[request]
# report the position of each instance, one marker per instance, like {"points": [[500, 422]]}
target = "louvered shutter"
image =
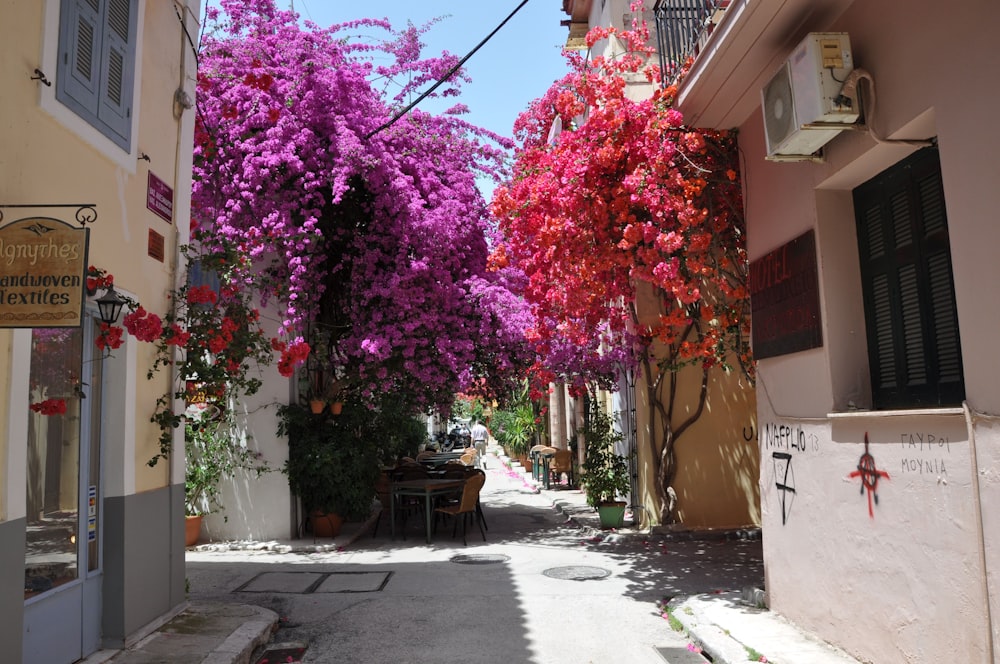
{"points": [[118, 64], [96, 70], [79, 68], [913, 339]]}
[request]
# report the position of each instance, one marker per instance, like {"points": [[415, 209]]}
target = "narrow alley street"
{"points": [[540, 589]]}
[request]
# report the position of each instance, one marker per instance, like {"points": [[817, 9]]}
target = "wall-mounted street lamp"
{"points": [[110, 306]]}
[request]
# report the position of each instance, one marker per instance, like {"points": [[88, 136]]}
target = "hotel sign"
{"points": [[43, 266]]}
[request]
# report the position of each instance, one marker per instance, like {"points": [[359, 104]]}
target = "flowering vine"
{"points": [[211, 336]]}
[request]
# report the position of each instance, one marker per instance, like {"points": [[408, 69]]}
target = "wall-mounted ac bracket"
{"points": [[816, 157], [855, 126]]}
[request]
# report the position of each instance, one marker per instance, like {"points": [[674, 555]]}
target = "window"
{"points": [[909, 295], [96, 68]]}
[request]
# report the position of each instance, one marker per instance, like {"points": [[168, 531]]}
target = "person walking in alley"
{"points": [[480, 434]]}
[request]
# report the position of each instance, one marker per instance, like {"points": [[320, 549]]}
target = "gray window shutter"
{"points": [[79, 65], [118, 64], [96, 73]]}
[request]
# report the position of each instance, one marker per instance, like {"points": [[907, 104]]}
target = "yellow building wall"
{"points": [[50, 156], [718, 467]]}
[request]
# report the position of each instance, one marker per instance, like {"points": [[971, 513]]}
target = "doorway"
{"points": [[62, 566]]}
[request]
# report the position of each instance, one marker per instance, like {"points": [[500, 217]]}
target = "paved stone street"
{"points": [[540, 589]]}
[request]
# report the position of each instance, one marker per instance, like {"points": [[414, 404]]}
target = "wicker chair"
{"points": [[466, 508], [561, 462], [469, 472]]}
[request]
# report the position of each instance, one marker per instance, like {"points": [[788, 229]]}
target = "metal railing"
{"points": [[682, 27]]}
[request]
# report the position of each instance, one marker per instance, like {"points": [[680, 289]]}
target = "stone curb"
{"points": [[708, 636], [241, 644]]}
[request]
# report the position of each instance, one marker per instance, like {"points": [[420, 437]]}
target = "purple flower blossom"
{"points": [[379, 236]]}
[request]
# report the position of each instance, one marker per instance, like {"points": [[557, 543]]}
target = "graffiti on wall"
{"points": [[784, 437], [870, 475], [786, 485], [784, 441], [924, 453]]}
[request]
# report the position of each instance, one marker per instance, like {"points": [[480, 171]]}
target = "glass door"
{"points": [[64, 497]]}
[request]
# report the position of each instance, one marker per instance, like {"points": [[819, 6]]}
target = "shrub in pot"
{"points": [[332, 464], [605, 472]]}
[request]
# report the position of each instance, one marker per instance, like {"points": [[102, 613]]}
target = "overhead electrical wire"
{"points": [[441, 81]]}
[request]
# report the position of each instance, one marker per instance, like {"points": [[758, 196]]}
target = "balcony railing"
{"points": [[682, 29]]}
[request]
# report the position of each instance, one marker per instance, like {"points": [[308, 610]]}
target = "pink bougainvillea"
{"points": [[374, 236]]}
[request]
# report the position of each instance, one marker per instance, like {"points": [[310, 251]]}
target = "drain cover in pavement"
{"points": [[681, 656], [282, 653], [354, 582], [282, 582], [304, 583], [479, 558], [577, 573]]}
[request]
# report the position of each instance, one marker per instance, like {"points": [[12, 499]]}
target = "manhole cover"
{"points": [[577, 573], [480, 558]]}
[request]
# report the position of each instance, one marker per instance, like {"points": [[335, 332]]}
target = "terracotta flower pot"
{"points": [[192, 529], [324, 524], [336, 407], [317, 406]]}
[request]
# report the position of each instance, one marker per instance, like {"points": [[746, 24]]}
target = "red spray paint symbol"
{"points": [[869, 475]]}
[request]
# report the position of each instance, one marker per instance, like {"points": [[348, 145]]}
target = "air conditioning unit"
{"points": [[802, 99]]}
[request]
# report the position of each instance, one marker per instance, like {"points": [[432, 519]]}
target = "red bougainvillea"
{"points": [[626, 200]]}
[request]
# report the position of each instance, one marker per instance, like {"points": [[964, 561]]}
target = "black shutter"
{"points": [[913, 341]]}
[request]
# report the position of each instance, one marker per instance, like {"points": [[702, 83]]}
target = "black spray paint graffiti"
{"points": [[785, 441], [869, 475], [784, 437], [786, 487]]}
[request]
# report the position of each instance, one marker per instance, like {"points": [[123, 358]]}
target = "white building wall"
{"points": [[259, 507], [903, 579]]}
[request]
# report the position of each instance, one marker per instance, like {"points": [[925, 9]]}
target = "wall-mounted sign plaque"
{"points": [[155, 246], [160, 198], [43, 265], [784, 298]]}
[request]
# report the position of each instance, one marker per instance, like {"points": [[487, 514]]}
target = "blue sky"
{"points": [[517, 65]]}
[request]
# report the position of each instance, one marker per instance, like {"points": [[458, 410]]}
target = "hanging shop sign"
{"points": [[43, 266]]}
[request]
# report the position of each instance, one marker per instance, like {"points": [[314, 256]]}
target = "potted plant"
{"points": [[332, 466], [213, 454], [605, 473]]}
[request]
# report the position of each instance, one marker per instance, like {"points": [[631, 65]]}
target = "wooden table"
{"points": [[439, 459], [427, 488]]}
